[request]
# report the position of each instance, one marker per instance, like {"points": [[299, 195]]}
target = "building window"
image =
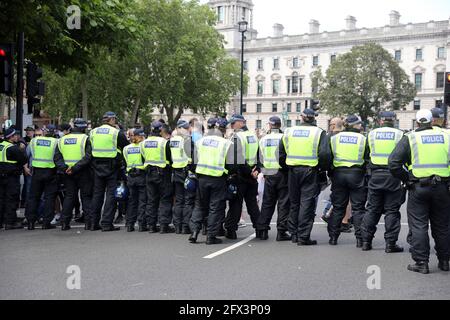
{"points": [[258, 107], [298, 122], [315, 61], [419, 55], [332, 58], [300, 85], [276, 87], [260, 64], [298, 108], [416, 104], [398, 55], [258, 124], [289, 123], [289, 107], [220, 14], [260, 87], [418, 81], [289, 86], [314, 85], [295, 84], [246, 65], [295, 62], [441, 53], [440, 77], [244, 107], [276, 64], [274, 107]]}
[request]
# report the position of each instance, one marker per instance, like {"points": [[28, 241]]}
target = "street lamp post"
{"points": [[243, 27]]}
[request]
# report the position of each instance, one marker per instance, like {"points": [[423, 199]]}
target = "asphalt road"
{"points": [[121, 265]]}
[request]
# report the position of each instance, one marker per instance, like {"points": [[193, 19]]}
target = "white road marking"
{"points": [[234, 246]]}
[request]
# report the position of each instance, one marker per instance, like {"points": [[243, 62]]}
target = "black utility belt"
{"points": [[136, 172], [430, 181]]}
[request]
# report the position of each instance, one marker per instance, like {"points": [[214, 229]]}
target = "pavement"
{"points": [[39, 265]]}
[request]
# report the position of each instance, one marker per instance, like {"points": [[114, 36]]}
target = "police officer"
{"points": [[438, 118], [426, 153], [12, 161], [44, 161], [76, 150], [276, 193], [181, 146], [305, 149], [245, 147], [136, 182], [350, 153], [156, 152], [107, 142], [213, 157], [386, 194]]}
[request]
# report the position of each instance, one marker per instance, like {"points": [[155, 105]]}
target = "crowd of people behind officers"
{"points": [[181, 181]]}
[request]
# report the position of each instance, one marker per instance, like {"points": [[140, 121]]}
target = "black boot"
{"points": [[65, 226], [264, 234], [13, 226], [392, 247], [130, 229], [359, 243], [221, 232], [95, 227], [178, 229], [443, 265], [284, 236], [153, 229], [186, 230], [308, 242], [294, 238], [143, 228], [213, 240], [333, 241], [110, 228], [366, 246], [165, 228], [420, 267], [30, 225], [193, 237], [232, 235], [48, 226], [87, 226]]}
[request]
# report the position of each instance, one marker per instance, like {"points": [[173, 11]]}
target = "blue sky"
{"points": [[295, 14]]}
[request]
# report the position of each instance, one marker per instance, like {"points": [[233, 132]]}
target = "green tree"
{"points": [[186, 63], [364, 81]]}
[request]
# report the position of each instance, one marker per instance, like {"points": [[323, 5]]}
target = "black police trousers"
{"points": [[210, 204], [386, 196], [184, 205], [9, 198], [429, 205], [347, 184], [159, 196], [82, 183], [104, 186], [137, 201], [276, 194], [303, 191], [43, 181], [248, 191]]}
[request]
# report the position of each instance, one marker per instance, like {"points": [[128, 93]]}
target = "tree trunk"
{"points": [[84, 98], [134, 113]]}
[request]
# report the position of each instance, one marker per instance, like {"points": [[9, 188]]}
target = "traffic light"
{"points": [[447, 89], [35, 87], [6, 69], [315, 105]]}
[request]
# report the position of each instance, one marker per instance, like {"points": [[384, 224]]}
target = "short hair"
{"points": [[338, 122]]}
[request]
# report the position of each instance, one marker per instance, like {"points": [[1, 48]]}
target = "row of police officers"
{"points": [[188, 182]]}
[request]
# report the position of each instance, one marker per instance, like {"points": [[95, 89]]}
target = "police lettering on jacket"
{"points": [[301, 133], [385, 136], [133, 150], [102, 131], [433, 139], [43, 143], [348, 139], [210, 143], [272, 142], [70, 141], [151, 144]]}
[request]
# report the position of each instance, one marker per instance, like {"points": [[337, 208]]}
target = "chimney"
{"points": [[350, 23], [278, 30], [314, 26], [394, 18]]}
